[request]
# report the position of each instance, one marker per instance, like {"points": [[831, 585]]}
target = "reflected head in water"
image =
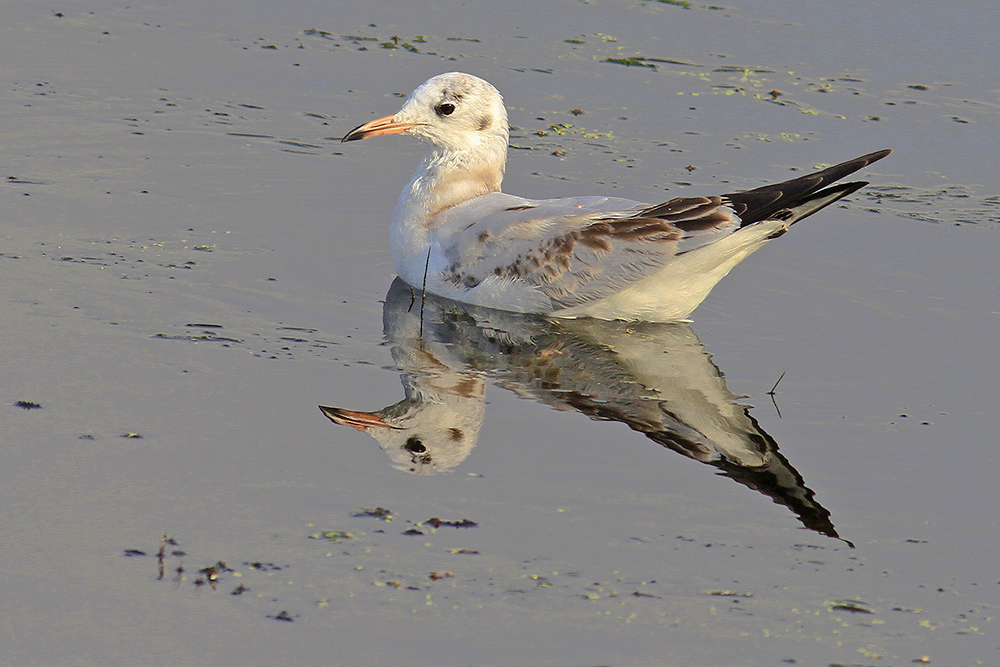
{"points": [[422, 434], [654, 378], [437, 423]]}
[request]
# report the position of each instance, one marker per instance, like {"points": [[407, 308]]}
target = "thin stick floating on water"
{"points": [[771, 394]]}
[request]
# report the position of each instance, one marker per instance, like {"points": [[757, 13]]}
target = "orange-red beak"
{"points": [[374, 128], [361, 421]]}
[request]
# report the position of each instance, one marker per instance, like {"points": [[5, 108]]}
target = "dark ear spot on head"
{"points": [[484, 123], [455, 434]]}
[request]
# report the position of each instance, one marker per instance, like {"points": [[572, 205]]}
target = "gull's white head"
{"points": [[454, 112]]}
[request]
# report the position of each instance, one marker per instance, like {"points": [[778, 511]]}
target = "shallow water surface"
{"points": [[191, 262]]}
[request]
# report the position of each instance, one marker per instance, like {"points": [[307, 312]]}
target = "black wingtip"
{"points": [[761, 203], [866, 160]]}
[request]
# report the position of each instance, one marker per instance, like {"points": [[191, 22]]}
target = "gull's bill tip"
{"points": [[374, 128]]}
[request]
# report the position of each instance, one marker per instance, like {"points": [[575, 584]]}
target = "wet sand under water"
{"points": [[190, 262]]}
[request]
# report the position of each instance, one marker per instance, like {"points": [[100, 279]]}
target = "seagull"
{"points": [[455, 234]]}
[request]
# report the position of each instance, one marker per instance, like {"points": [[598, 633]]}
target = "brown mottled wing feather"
{"points": [[692, 213], [581, 249]]}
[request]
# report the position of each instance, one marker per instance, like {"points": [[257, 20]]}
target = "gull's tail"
{"points": [[800, 197]]}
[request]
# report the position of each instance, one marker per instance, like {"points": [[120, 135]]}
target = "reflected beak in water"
{"points": [[374, 128], [362, 421]]}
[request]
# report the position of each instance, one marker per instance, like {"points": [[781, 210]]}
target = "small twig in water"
{"points": [[771, 394], [160, 554], [180, 574]]}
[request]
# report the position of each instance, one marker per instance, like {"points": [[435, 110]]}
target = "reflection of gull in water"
{"points": [[655, 378], [454, 233]]}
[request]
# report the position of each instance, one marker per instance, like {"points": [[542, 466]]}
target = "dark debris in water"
{"points": [[952, 204], [213, 575], [630, 62], [387, 570], [28, 405], [380, 513], [462, 523], [334, 536], [641, 594], [265, 567], [853, 606]]}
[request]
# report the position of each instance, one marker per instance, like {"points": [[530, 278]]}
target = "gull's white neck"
{"points": [[444, 179]]}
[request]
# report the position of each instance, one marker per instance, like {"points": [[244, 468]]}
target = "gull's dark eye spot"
{"points": [[444, 109], [414, 446]]}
